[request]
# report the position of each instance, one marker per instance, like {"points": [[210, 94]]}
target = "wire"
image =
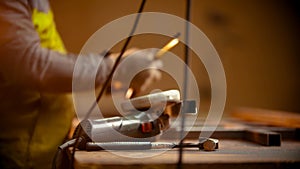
{"points": [[109, 76], [185, 82], [59, 155], [116, 62]]}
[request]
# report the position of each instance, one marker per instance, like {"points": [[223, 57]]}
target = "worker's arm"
{"points": [[23, 62]]}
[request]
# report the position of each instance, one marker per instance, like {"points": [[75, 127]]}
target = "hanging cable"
{"points": [[185, 81], [104, 86], [116, 62], [113, 70]]}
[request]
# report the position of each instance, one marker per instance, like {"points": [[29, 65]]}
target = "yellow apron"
{"points": [[57, 110], [34, 123]]}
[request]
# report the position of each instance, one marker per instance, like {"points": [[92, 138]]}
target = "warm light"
{"points": [[117, 85], [167, 47], [129, 93], [172, 43], [160, 53]]}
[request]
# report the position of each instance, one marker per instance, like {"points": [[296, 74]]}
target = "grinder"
{"points": [[148, 116]]}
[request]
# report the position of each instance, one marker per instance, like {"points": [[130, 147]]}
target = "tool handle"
{"points": [[96, 146]]}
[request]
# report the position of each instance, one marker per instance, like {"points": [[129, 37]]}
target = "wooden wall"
{"points": [[258, 42]]}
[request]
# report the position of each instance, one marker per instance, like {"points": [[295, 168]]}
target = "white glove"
{"points": [[139, 68]]}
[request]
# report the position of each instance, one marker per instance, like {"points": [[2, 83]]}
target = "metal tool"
{"points": [[130, 92], [168, 46], [148, 116], [206, 144]]}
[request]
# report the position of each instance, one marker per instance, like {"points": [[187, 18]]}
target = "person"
{"points": [[35, 83]]}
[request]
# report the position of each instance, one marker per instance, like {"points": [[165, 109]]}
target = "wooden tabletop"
{"points": [[235, 151], [231, 154]]}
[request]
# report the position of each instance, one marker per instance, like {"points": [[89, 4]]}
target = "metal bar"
{"points": [[186, 78], [263, 137], [221, 133], [207, 144]]}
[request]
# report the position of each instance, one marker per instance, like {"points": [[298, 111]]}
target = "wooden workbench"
{"points": [[231, 154], [234, 152]]}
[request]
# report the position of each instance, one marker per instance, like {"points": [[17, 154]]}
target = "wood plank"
{"points": [[232, 154], [268, 117]]}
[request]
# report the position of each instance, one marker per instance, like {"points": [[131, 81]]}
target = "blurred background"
{"points": [[258, 43]]}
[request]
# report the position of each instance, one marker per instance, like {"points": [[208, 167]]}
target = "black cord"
{"points": [[185, 82], [116, 62], [59, 160], [109, 77]]}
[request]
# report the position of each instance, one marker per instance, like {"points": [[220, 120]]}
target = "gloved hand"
{"points": [[139, 68]]}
